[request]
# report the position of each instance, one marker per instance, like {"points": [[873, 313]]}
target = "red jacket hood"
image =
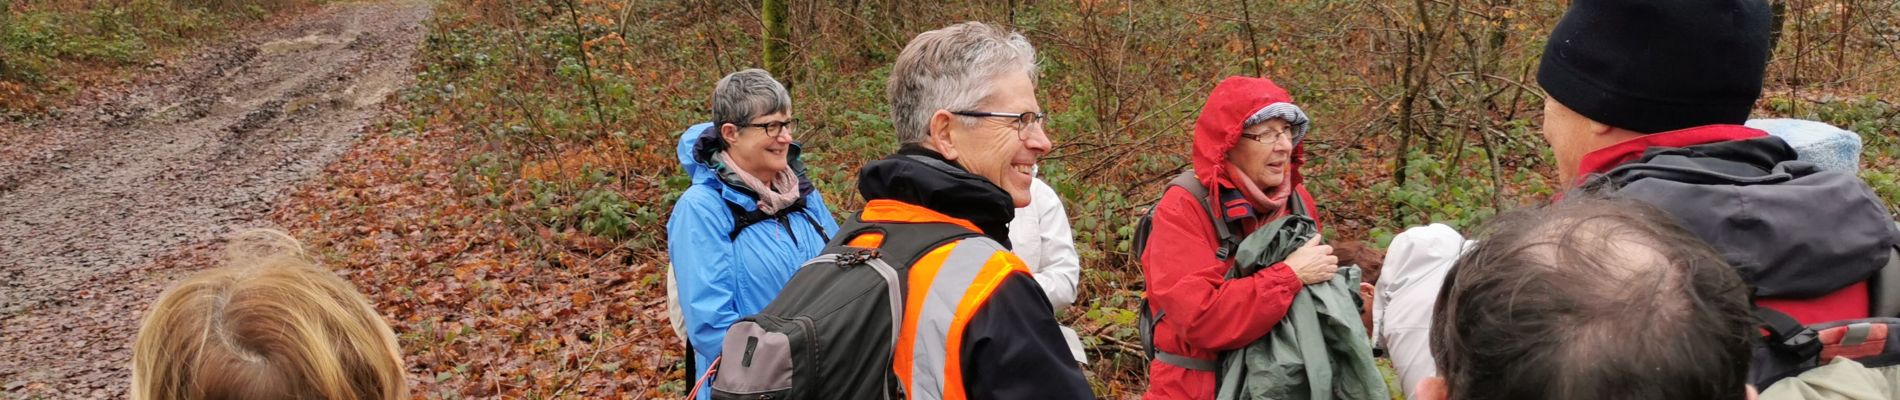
{"points": [[1218, 128]]}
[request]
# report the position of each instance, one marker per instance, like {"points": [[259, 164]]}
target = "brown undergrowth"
{"points": [[509, 216]]}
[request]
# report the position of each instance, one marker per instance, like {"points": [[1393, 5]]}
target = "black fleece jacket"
{"points": [[1012, 347]]}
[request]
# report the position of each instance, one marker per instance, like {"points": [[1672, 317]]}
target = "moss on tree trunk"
{"points": [[777, 35]]}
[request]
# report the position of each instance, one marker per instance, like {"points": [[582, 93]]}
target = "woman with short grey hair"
{"points": [[750, 218]]}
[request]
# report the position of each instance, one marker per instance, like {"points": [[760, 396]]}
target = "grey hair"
{"points": [[744, 95], [951, 69]]}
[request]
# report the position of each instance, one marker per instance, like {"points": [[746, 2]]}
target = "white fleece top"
{"points": [[1415, 268], [1041, 236]]}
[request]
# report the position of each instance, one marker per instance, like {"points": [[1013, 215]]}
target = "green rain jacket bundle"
{"points": [[1319, 351]]}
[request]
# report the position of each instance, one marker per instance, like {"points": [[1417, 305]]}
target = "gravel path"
{"points": [[160, 168]]}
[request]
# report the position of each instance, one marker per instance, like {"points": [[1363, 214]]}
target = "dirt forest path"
{"points": [[186, 152]]}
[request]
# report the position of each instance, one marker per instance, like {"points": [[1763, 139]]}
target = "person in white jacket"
{"points": [[1041, 237], [1415, 267]]}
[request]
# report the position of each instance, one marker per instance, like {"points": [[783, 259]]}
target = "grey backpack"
{"points": [[831, 331]]}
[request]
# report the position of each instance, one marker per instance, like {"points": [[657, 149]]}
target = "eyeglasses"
{"points": [[775, 128], [1018, 121], [1272, 136]]}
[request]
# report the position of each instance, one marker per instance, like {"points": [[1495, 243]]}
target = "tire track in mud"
{"points": [[190, 152]]}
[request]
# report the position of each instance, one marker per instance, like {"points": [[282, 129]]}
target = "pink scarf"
{"points": [[1273, 203], [782, 192]]}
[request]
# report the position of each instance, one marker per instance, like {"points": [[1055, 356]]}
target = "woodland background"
{"points": [[508, 212]]}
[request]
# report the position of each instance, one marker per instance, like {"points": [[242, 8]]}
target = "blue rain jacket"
{"points": [[722, 278]]}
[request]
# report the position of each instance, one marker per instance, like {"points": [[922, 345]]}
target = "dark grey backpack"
{"points": [[831, 331]]}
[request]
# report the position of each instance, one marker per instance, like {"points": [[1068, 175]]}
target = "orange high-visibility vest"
{"points": [[947, 285]]}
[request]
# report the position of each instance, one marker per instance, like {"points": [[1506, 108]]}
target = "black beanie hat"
{"points": [[1658, 65]]}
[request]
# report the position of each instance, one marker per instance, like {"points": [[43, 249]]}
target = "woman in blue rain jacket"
{"points": [[750, 218]]}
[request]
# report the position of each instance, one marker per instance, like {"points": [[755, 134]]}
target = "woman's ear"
{"points": [[939, 140], [729, 132]]}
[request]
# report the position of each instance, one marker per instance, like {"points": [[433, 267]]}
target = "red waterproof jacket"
{"points": [[1202, 313]]}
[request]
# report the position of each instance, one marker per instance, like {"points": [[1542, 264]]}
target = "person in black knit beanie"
{"points": [[1655, 66], [1645, 66], [1646, 100]]}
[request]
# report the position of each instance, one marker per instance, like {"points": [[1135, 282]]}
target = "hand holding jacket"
{"points": [[1313, 262]]}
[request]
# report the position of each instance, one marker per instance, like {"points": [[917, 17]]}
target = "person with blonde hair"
{"points": [[269, 324]]}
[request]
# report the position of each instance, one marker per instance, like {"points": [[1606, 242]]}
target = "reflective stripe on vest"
{"points": [[959, 277]]}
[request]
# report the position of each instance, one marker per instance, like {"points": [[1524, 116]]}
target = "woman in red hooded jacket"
{"points": [[1247, 152]]}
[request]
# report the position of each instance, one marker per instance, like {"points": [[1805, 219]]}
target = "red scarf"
{"points": [[1272, 202]]}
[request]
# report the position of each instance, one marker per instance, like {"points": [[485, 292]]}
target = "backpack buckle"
{"points": [[858, 256], [1787, 335], [1806, 343], [1227, 249]]}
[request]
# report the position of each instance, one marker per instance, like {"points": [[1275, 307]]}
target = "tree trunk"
{"points": [[777, 36], [1253, 41], [1778, 11], [1840, 52]]}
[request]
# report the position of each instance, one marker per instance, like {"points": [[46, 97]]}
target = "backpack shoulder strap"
{"points": [[903, 245], [814, 226], [1223, 231], [1885, 287], [1187, 180], [743, 218], [1296, 204], [1148, 316], [1788, 336]]}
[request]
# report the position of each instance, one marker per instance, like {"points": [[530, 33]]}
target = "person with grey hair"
{"points": [[976, 323], [750, 218]]}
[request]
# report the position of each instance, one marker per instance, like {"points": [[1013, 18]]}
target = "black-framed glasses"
{"points": [[775, 128], [1018, 121]]}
